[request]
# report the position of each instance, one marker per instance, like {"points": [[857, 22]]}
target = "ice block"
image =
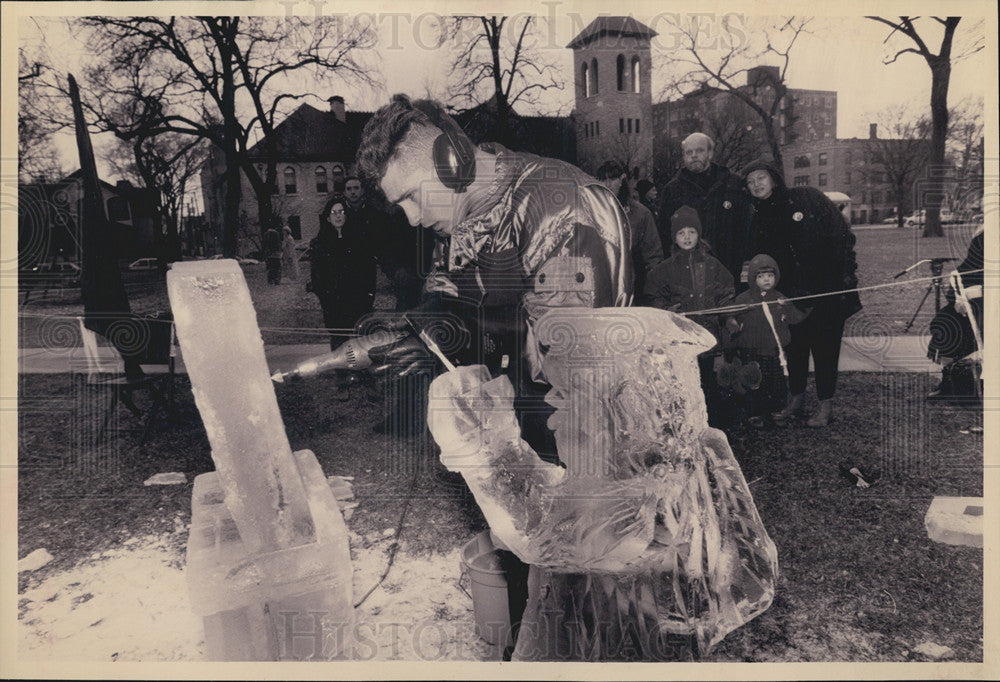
{"points": [[224, 355]]}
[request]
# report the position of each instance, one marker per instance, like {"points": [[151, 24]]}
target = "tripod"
{"points": [[937, 267]]}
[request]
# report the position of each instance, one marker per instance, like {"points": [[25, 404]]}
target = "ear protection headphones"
{"points": [[453, 153], [454, 158]]}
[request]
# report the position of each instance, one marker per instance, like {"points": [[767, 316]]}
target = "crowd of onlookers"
{"points": [[769, 270]]}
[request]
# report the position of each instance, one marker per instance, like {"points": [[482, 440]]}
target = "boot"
{"points": [[794, 407], [822, 416]]}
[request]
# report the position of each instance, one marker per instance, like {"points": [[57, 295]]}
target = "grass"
{"points": [[859, 559], [289, 314], [860, 580]]}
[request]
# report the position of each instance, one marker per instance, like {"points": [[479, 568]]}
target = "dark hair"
{"points": [[324, 216], [352, 176], [387, 128]]}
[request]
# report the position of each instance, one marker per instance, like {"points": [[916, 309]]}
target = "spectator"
{"points": [[289, 256], [955, 327], [689, 280], [646, 249], [342, 270], [720, 199], [646, 191], [339, 178], [272, 255], [758, 335], [802, 230]]}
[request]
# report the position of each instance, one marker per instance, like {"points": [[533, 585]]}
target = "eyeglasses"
{"points": [[337, 211]]}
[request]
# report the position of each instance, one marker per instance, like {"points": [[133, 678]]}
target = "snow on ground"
{"points": [[131, 604]]}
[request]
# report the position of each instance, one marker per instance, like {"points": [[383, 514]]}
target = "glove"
{"points": [[401, 358], [733, 326]]}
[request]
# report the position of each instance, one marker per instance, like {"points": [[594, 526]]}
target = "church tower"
{"points": [[614, 106]]}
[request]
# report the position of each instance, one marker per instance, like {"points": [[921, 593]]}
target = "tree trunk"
{"points": [[940, 78]]}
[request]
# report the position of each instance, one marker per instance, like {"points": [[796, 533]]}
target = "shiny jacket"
{"points": [[548, 236]]}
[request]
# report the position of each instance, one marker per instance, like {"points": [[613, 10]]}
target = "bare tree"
{"points": [[164, 164], [965, 152], [725, 62], [36, 158], [940, 66], [497, 61], [221, 79], [898, 154]]}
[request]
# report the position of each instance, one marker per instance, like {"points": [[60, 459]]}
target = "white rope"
{"points": [[781, 351], [746, 306]]}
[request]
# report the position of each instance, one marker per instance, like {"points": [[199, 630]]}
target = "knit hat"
{"points": [[762, 263], [684, 217]]}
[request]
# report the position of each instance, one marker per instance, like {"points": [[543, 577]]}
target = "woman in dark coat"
{"points": [[814, 247], [342, 269]]}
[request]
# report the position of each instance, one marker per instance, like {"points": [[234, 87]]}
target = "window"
{"points": [[864, 197], [630, 126], [290, 187], [586, 130], [636, 82], [295, 225], [878, 176], [847, 178], [593, 77], [822, 158], [636, 126], [801, 161], [321, 186], [876, 197], [620, 72], [598, 128], [118, 210], [801, 180], [822, 179], [621, 125]]}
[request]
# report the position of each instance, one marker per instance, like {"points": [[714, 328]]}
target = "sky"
{"points": [[841, 53]]}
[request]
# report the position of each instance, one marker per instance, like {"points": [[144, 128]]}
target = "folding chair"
{"points": [[157, 361]]}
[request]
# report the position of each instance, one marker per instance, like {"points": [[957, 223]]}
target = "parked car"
{"points": [[917, 218], [53, 275], [144, 264], [248, 262], [65, 267], [891, 220]]}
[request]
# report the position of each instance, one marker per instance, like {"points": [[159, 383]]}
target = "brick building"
{"points": [[611, 75], [847, 165]]}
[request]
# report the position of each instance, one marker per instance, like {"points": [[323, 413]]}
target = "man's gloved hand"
{"points": [[401, 358]]}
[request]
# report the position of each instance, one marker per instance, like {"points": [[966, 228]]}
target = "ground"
{"points": [[860, 558]]}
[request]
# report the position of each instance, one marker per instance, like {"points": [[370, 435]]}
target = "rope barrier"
{"points": [[348, 333]]}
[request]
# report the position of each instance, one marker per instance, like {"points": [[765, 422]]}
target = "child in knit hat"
{"points": [[759, 339], [692, 279]]}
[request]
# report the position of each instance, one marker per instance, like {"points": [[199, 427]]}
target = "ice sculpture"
{"points": [[268, 554], [650, 530]]}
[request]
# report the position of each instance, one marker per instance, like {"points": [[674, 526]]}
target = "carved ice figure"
{"points": [[650, 530]]}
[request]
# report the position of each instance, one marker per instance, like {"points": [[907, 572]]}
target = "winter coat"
{"points": [[722, 208], [546, 236], [342, 267], [691, 280], [647, 251], [755, 333], [811, 241]]}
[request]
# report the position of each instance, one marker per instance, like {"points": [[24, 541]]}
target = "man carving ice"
{"points": [[529, 246]]}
